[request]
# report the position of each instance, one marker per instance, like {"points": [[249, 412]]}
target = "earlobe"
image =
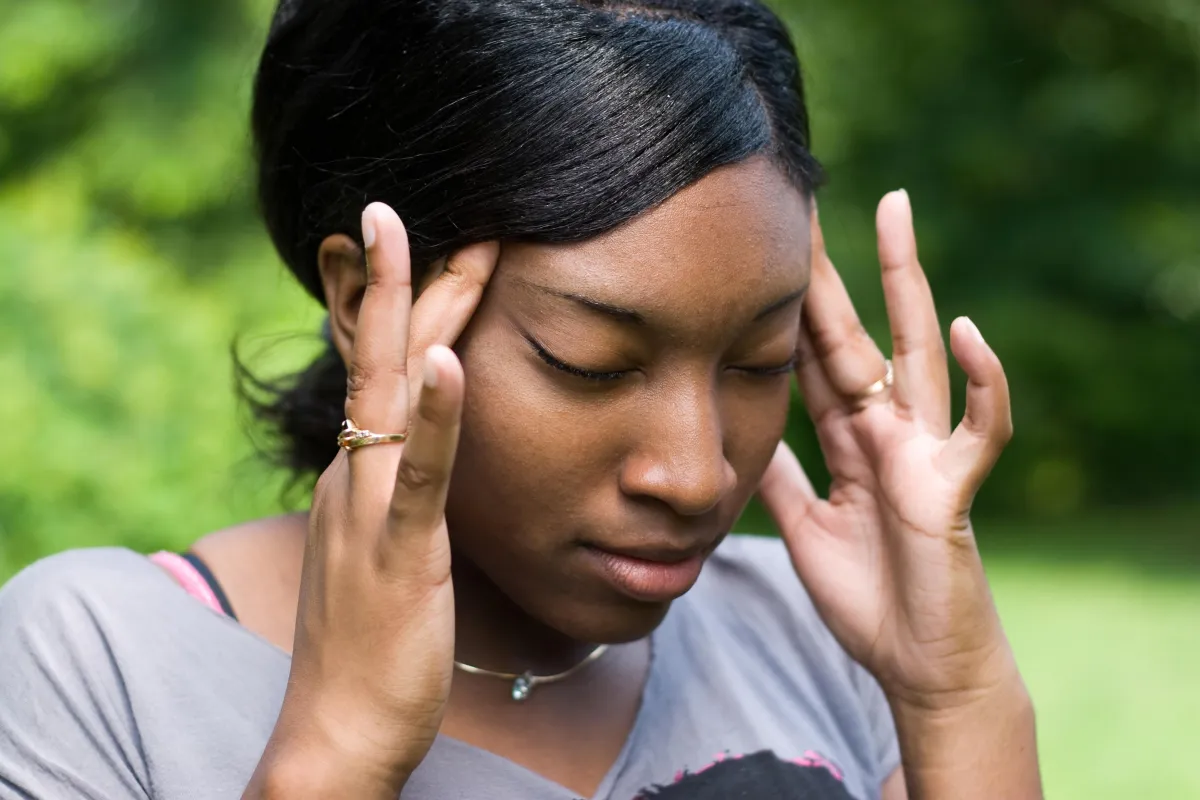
{"points": [[343, 271]]}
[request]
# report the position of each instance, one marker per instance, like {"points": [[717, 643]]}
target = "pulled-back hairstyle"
{"points": [[516, 120]]}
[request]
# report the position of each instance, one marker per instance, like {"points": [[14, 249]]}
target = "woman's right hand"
{"points": [[374, 647]]}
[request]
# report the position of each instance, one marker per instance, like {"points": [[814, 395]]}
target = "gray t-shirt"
{"points": [[115, 683]]}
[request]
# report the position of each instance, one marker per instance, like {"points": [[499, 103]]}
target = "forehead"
{"points": [[734, 240]]}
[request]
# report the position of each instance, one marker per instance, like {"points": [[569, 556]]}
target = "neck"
{"points": [[493, 633]]}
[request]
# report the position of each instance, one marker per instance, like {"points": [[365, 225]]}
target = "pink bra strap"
{"points": [[189, 578]]}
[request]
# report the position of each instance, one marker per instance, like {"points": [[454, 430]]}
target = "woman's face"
{"points": [[624, 396]]}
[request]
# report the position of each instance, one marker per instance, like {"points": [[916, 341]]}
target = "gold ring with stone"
{"points": [[353, 437]]}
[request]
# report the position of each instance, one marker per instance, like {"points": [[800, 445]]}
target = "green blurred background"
{"points": [[1052, 149]]}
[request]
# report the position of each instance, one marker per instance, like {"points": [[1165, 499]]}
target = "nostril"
{"points": [[691, 488]]}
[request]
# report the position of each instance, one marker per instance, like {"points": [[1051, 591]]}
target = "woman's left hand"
{"points": [[890, 558]]}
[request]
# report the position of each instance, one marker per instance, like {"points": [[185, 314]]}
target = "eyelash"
{"points": [[571, 369], [589, 375], [782, 369]]}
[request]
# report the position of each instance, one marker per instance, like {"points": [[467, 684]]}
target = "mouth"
{"points": [[652, 574]]}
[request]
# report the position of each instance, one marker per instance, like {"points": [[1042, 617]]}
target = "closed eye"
{"points": [[571, 369], [781, 369]]}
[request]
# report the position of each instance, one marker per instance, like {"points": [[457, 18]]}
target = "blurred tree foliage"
{"points": [[1052, 148]]}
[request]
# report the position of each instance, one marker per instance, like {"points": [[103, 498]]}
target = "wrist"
{"points": [[295, 768], [288, 771], [984, 745], [317, 755]]}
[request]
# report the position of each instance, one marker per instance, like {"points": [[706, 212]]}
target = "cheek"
{"points": [[754, 420], [528, 466]]}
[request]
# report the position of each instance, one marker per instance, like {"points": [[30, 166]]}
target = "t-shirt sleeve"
{"points": [[66, 725]]}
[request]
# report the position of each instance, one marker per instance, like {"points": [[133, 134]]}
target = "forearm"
{"points": [[984, 749]]}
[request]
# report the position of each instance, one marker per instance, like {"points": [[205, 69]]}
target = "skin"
{"points": [[517, 473]]}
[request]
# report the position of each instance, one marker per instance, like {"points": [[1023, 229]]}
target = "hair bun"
{"points": [[284, 12]]}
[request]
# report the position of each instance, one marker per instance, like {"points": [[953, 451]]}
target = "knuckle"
{"points": [[827, 342], [848, 335], [382, 278], [360, 375], [1004, 430], [415, 477], [472, 266]]}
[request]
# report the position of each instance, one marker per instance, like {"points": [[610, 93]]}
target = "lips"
{"points": [[660, 555], [653, 574]]}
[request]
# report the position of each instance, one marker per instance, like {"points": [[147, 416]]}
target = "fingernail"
{"points": [[368, 227], [972, 328], [431, 370]]}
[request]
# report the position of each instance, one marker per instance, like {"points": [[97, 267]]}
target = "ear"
{"points": [[343, 270]]}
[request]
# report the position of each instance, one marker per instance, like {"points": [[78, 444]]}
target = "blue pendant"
{"points": [[521, 687]]}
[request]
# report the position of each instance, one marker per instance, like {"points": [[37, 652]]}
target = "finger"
{"points": [[377, 387], [445, 307], [922, 378], [849, 356], [785, 489], [821, 401], [423, 475], [819, 395], [986, 426]]}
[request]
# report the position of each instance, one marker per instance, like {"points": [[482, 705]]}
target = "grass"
{"points": [[1111, 658], [1104, 616]]}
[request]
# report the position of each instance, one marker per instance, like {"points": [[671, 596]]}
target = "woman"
{"points": [[515, 580]]}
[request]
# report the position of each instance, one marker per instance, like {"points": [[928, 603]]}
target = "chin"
{"points": [[616, 622]]}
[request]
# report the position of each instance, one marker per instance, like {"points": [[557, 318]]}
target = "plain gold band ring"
{"points": [[353, 437], [878, 387]]}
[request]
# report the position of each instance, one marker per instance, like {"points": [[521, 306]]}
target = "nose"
{"points": [[680, 456]]}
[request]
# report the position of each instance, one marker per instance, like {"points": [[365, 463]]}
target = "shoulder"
{"points": [[258, 565], [85, 607], [61, 687], [72, 586], [104, 655]]}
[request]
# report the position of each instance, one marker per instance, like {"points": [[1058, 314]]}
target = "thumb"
{"points": [[785, 489]]}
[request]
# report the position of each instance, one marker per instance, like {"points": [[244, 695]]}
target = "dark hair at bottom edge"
{"points": [[301, 411]]}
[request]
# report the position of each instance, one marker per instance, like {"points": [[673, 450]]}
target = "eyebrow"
{"points": [[632, 317], [781, 303]]}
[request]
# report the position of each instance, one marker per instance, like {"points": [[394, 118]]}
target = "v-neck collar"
{"points": [[448, 751], [456, 749]]}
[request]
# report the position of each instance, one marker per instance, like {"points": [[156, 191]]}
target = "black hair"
{"points": [[511, 120]]}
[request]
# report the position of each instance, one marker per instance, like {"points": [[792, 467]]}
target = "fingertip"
{"points": [[479, 260], [374, 217], [968, 344], [896, 202], [894, 226], [441, 386], [380, 209], [970, 330], [440, 365]]}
